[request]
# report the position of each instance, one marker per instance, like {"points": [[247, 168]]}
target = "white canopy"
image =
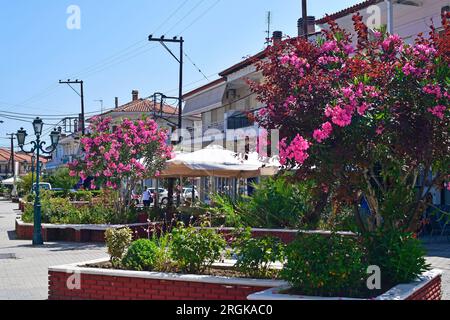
{"points": [[215, 161], [10, 181]]}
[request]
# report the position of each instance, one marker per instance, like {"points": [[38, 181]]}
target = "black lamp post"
{"points": [[38, 147]]}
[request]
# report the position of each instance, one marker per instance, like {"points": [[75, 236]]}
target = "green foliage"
{"points": [[275, 203], [255, 256], [24, 186], [328, 266], [163, 252], [61, 179], [195, 250], [338, 219], [62, 211], [400, 256], [141, 255], [117, 242]]}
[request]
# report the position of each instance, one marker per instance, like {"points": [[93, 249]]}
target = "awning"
{"points": [[216, 161], [204, 101]]}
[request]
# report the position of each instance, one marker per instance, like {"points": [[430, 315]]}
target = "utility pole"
{"points": [[305, 18], [12, 135], [179, 59], [81, 94], [162, 40], [390, 16]]}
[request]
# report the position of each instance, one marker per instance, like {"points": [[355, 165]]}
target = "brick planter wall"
{"points": [[75, 233], [96, 284], [431, 291], [79, 233], [427, 287]]}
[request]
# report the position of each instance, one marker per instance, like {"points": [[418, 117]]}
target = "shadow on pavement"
{"points": [[57, 247]]}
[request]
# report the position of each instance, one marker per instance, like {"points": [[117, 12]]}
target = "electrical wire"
{"points": [[185, 16], [195, 66], [199, 17]]}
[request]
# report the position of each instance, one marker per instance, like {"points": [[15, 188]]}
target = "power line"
{"points": [[200, 16], [185, 16], [171, 16], [195, 66]]}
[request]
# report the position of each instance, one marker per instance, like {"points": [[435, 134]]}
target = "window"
{"points": [[238, 120]]}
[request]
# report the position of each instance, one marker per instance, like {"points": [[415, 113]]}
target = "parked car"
{"points": [[163, 195], [43, 186], [187, 194]]}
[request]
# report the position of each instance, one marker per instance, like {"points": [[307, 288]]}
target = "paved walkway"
{"points": [[23, 268]]}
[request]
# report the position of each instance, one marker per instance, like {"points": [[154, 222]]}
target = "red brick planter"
{"points": [[98, 284], [427, 287], [75, 233], [92, 233]]}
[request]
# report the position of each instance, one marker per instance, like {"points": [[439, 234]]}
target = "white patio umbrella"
{"points": [[215, 161], [11, 181]]}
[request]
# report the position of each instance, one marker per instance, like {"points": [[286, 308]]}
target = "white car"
{"points": [[43, 186], [163, 195], [187, 194]]}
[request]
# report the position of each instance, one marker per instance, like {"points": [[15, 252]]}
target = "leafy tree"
{"points": [[363, 121]]}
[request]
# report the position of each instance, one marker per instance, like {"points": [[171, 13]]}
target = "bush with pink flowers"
{"points": [[119, 156]]}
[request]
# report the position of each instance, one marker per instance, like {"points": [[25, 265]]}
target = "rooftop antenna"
{"points": [[269, 24]]}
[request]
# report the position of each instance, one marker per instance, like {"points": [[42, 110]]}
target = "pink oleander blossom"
{"points": [[322, 134], [296, 151], [438, 111]]}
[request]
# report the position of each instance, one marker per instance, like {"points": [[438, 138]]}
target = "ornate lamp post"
{"points": [[38, 147]]}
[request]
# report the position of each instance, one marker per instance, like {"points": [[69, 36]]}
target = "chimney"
{"points": [[277, 37], [116, 102], [311, 26], [135, 95]]}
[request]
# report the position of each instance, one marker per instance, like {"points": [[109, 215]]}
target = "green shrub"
{"points": [[62, 179], [195, 250], [400, 256], [275, 203], [328, 266], [141, 255], [255, 256], [117, 242], [61, 211]]}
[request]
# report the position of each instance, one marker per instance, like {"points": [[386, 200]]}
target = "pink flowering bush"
{"points": [[118, 159], [365, 120]]}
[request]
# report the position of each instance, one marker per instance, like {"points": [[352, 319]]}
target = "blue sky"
{"points": [[111, 54]]}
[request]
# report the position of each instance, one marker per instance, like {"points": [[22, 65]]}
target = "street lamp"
{"points": [[38, 147]]}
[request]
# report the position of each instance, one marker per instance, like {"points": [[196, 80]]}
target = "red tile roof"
{"points": [[5, 156], [143, 106], [347, 11]]}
